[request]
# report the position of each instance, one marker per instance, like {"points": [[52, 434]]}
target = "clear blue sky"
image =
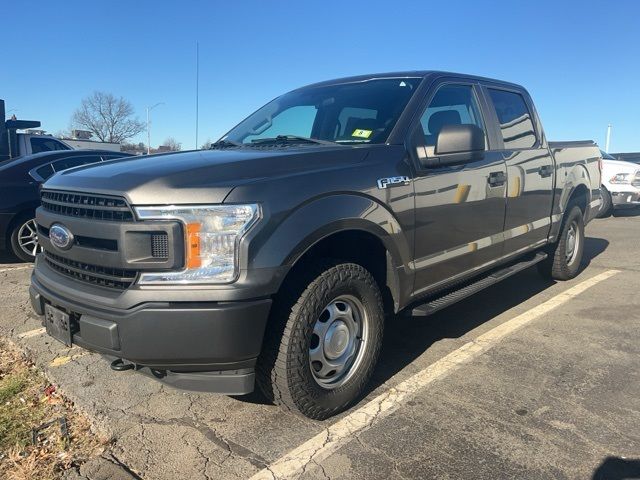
{"points": [[580, 60]]}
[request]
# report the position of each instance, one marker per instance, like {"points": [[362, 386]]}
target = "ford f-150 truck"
{"points": [[275, 257]]}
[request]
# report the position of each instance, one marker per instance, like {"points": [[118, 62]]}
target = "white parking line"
{"points": [[31, 333], [332, 438], [15, 268]]}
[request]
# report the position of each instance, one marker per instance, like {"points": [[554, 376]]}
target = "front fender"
{"points": [[285, 243]]}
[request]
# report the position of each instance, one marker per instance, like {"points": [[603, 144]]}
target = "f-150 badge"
{"points": [[391, 181]]}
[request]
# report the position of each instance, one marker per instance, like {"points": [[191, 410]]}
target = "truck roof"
{"points": [[409, 74]]}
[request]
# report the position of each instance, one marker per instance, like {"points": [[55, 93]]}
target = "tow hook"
{"points": [[119, 366]]}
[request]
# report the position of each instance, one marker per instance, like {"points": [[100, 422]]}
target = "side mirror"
{"points": [[459, 139]]}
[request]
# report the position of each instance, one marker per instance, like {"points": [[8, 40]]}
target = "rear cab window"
{"points": [[46, 144], [514, 118]]}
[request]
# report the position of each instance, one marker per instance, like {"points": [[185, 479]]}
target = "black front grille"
{"points": [[94, 207], [160, 245], [116, 278]]}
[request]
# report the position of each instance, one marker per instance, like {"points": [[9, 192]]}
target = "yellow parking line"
{"points": [[332, 438], [59, 361]]}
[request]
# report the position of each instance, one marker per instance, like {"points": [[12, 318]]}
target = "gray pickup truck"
{"points": [[276, 256]]}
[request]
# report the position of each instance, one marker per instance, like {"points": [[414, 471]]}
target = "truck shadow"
{"points": [[627, 212], [406, 338], [615, 468]]}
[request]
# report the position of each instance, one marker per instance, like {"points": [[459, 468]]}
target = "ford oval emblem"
{"points": [[60, 236]]}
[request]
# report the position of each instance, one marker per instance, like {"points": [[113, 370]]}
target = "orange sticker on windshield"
{"points": [[360, 133]]}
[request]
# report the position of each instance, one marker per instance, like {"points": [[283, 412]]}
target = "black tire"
{"points": [[284, 370], [18, 229], [606, 209], [560, 265]]}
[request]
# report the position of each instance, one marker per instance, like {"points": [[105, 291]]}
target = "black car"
{"points": [[20, 181]]}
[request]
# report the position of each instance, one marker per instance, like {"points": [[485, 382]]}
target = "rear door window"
{"points": [[45, 171], [70, 162], [516, 121]]}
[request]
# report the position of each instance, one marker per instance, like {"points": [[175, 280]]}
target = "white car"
{"points": [[620, 185]]}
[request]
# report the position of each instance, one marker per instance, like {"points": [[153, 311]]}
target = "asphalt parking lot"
{"points": [[528, 379]]}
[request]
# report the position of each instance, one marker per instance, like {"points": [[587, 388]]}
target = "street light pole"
{"points": [[149, 126], [608, 142]]}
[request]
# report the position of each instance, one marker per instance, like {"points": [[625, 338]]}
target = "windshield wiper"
{"points": [[291, 139], [224, 144]]}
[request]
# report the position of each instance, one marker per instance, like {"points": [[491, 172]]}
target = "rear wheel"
{"points": [[565, 257], [606, 209], [24, 239], [324, 340]]}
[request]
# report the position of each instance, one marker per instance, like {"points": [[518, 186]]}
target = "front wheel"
{"points": [[565, 256], [324, 341], [606, 209], [24, 239]]}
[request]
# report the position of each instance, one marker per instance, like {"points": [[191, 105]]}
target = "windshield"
{"points": [[605, 155], [348, 113]]}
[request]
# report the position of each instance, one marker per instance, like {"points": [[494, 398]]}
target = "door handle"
{"points": [[545, 171], [496, 179]]}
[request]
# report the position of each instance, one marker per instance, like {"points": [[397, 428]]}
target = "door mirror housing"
{"points": [[459, 139], [457, 144]]}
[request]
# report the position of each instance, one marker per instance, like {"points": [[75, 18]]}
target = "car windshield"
{"points": [[347, 113], [606, 156]]}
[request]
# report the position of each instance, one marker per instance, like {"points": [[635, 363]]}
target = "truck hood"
{"points": [[205, 176], [620, 165]]}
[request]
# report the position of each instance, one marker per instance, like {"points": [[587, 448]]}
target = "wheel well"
{"points": [[355, 246], [17, 218], [580, 197]]}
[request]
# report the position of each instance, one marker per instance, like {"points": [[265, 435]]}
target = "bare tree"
{"points": [[172, 145], [109, 118], [206, 145]]}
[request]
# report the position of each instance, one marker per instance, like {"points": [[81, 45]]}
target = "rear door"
{"points": [[530, 168], [459, 208]]}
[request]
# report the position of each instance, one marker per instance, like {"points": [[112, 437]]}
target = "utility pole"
{"points": [[197, 87], [149, 126], [608, 142]]}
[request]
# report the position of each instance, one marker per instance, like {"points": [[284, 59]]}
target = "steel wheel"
{"points": [[338, 341], [572, 243], [28, 238]]}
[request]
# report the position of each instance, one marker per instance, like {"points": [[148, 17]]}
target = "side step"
{"points": [[494, 277]]}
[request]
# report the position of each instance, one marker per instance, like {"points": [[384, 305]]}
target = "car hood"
{"points": [[203, 176]]}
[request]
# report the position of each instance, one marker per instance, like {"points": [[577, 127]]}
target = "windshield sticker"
{"points": [[360, 133]]}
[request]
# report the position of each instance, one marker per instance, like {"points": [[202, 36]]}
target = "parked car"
{"points": [[620, 185], [277, 254], [20, 181]]}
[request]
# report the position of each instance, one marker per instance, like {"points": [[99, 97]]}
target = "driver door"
{"points": [[460, 207]]}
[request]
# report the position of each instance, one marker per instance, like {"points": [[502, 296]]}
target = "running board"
{"points": [[494, 277]]}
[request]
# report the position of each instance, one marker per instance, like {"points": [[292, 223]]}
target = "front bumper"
{"points": [[626, 199], [197, 345]]}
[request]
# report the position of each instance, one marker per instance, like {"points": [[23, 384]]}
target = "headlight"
{"points": [[621, 178], [212, 238]]}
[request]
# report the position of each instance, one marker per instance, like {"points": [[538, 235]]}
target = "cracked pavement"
{"points": [[559, 398]]}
